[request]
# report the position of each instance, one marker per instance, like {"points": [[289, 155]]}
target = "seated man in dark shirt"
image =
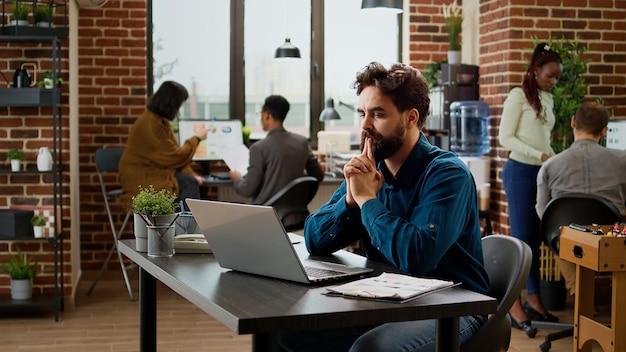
{"points": [[278, 159], [411, 204]]}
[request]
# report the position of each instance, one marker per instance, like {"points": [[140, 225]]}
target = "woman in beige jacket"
{"points": [[153, 155]]}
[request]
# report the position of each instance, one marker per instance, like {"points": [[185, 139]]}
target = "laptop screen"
{"points": [[222, 134]]}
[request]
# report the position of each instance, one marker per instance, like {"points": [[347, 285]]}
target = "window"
{"points": [[223, 52]]}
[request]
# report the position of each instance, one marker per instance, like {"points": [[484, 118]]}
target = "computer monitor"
{"points": [[222, 134], [616, 135]]}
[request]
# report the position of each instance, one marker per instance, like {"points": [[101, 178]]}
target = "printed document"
{"points": [[237, 158], [390, 287]]}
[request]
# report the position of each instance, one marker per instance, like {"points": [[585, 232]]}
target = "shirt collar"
{"points": [[277, 130]]}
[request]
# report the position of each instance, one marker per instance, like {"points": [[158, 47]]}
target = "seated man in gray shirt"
{"points": [[277, 159], [585, 167]]}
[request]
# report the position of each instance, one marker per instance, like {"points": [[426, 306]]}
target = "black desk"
{"points": [[249, 304]]}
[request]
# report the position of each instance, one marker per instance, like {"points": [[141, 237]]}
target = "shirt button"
{"points": [[331, 235], [432, 226]]}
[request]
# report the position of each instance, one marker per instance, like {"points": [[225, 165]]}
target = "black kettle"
{"points": [[22, 78]]}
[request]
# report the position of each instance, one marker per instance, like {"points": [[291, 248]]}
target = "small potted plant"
{"points": [[22, 271], [454, 21], [16, 156], [43, 16], [152, 207], [38, 222], [20, 14]]}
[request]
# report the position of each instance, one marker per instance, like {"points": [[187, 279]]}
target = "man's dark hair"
{"points": [[404, 84], [168, 99], [592, 118], [277, 106]]}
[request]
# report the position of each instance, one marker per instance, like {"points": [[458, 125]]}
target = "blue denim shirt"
{"points": [[424, 221]]}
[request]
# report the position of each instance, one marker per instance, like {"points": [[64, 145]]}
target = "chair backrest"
{"points": [[108, 159], [507, 262], [292, 200], [579, 208]]}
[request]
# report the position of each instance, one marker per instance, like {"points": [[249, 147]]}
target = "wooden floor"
{"points": [[108, 321]]}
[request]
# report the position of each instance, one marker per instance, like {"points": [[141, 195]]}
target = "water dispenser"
{"points": [[469, 127]]}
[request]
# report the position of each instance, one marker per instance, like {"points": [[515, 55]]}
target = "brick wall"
{"points": [[112, 84], [506, 28]]}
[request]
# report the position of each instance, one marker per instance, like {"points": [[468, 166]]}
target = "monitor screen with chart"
{"points": [[222, 134]]}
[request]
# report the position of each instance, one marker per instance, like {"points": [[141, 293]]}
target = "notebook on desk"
{"points": [[251, 239]]}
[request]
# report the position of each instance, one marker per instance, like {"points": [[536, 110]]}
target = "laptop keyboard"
{"points": [[319, 273]]}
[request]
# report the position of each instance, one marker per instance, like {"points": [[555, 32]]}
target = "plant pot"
{"points": [[38, 231], [21, 289], [553, 294], [141, 234], [15, 165], [19, 22], [47, 83], [454, 57], [43, 24]]}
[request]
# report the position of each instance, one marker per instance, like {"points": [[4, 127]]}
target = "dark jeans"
{"points": [[417, 336], [520, 185], [188, 188]]}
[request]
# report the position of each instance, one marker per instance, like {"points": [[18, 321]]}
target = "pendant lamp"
{"points": [[287, 50], [329, 113], [390, 5]]}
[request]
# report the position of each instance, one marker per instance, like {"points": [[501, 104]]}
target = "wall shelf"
{"points": [[24, 97]]}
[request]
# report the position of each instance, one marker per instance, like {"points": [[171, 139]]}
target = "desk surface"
{"points": [[249, 304]]}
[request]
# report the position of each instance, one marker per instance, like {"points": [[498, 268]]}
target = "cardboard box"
{"points": [[599, 253], [16, 223]]}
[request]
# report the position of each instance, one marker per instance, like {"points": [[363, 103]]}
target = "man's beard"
{"points": [[384, 147]]}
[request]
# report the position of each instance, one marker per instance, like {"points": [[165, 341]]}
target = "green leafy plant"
{"points": [[43, 13], [151, 202], [38, 220], [15, 154], [20, 267], [432, 73], [570, 90], [454, 21], [19, 11]]}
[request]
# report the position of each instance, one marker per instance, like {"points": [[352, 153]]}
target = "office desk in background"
{"points": [[249, 304], [226, 192]]}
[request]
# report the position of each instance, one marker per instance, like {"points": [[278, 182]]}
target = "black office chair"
{"points": [[107, 161], [579, 208], [292, 200], [507, 261]]}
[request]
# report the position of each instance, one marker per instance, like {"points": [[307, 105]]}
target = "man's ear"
{"points": [[573, 122], [413, 116]]}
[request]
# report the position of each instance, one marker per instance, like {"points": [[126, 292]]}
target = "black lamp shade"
{"points": [[394, 5], [287, 50], [329, 113]]}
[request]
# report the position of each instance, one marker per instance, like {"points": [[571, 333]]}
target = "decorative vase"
{"points": [[44, 159], [21, 289], [15, 165], [38, 231], [454, 57]]}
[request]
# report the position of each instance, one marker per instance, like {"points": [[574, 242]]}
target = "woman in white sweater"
{"points": [[525, 126]]}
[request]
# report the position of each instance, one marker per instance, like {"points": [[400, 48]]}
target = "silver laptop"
{"points": [[252, 239]]}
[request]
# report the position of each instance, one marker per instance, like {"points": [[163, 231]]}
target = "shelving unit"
{"points": [[42, 97]]}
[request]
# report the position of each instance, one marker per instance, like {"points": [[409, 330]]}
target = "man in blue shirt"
{"points": [[411, 205]]}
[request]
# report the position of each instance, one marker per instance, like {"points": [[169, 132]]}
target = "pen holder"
{"points": [[161, 241]]}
